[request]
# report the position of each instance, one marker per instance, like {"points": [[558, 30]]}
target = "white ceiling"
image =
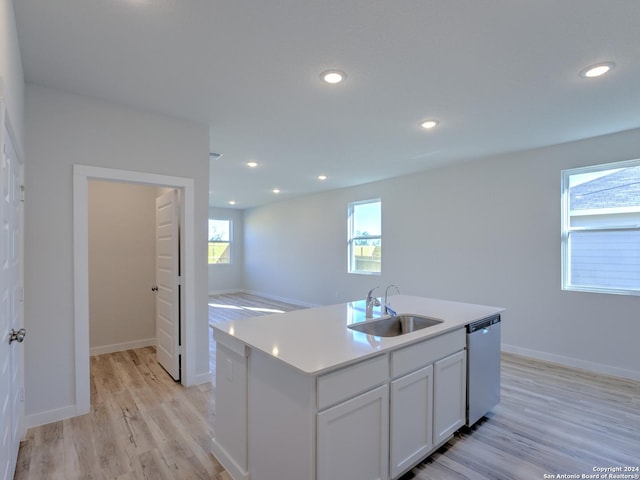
{"points": [[500, 75]]}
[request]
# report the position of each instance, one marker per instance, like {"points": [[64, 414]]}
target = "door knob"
{"points": [[17, 336]]}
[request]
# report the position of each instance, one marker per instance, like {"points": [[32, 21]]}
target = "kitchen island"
{"points": [[300, 395]]}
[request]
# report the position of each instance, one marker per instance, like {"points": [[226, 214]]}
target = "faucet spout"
{"points": [[371, 302], [387, 305]]}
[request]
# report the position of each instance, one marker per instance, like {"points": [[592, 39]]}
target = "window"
{"points": [[365, 237], [219, 241], [601, 228]]}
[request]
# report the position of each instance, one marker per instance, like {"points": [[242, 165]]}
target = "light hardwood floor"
{"points": [[142, 425], [551, 420], [239, 305]]}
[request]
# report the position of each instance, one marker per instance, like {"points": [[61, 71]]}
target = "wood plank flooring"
{"points": [[552, 420], [234, 306], [142, 425]]}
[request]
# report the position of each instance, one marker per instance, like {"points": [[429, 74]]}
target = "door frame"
{"points": [[81, 176]]}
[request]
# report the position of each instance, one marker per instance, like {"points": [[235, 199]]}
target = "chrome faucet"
{"points": [[387, 305], [371, 302]]}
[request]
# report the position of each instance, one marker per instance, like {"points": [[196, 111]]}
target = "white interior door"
{"points": [[168, 283], [11, 318]]}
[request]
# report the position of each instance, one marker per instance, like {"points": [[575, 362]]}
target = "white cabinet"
{"points": [[450, 395], [411, 426], [353, 438], [372, 419], [231, 398], [345, 383], [428, 398]]}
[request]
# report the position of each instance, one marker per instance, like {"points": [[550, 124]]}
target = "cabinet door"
{"points": [[353, 438], [411, 419], [450, 396]]}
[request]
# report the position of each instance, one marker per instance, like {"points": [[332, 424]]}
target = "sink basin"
{"points": [[394, 326]]}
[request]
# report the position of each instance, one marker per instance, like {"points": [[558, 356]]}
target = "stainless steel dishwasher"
{"points": [[483, 367]]}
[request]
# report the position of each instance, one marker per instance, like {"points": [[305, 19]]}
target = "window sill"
{"points": [[611, 291]]}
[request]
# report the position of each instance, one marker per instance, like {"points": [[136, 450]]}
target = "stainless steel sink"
{"points": [[394, 326]]}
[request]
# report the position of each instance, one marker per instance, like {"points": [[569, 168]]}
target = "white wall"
{"points": [[62, 130], [11, 70], [483, 232], [228, 278], [121, 266]]}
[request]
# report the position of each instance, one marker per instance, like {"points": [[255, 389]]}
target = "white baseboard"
{"points": [[573, 362], [226, 292], [201, 378], [42, 418], [282, 299], [50, 416], [266, 295], [120, 347], [228, 462]]}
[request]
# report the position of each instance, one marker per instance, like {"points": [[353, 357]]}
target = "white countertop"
{"points": [[316, 340]]}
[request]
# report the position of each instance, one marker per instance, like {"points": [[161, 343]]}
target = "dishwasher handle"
{"points": [[482, 324]]}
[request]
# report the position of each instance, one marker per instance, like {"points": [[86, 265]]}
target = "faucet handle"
{"points": [[371, 291]]}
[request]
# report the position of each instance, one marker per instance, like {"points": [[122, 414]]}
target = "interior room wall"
{"points": [[484, 232], [63, 130], [11, 70], [121, 266], [225, 278]]}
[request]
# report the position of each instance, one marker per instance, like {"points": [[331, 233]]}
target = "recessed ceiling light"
{"points": [[231, 202], [597, 70], [276, 190], [429, 124], [333, 76], [322, 177], [252, 164]]}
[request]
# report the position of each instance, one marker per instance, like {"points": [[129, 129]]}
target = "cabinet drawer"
{"points": [[424, 353], [350, 381]]}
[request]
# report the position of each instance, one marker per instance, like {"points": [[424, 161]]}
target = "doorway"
{"points": [[130, 255], [82, 174]]}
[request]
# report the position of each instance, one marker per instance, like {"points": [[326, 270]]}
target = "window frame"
{"points": [[566, 228], [351, 237], [228, 242]]}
